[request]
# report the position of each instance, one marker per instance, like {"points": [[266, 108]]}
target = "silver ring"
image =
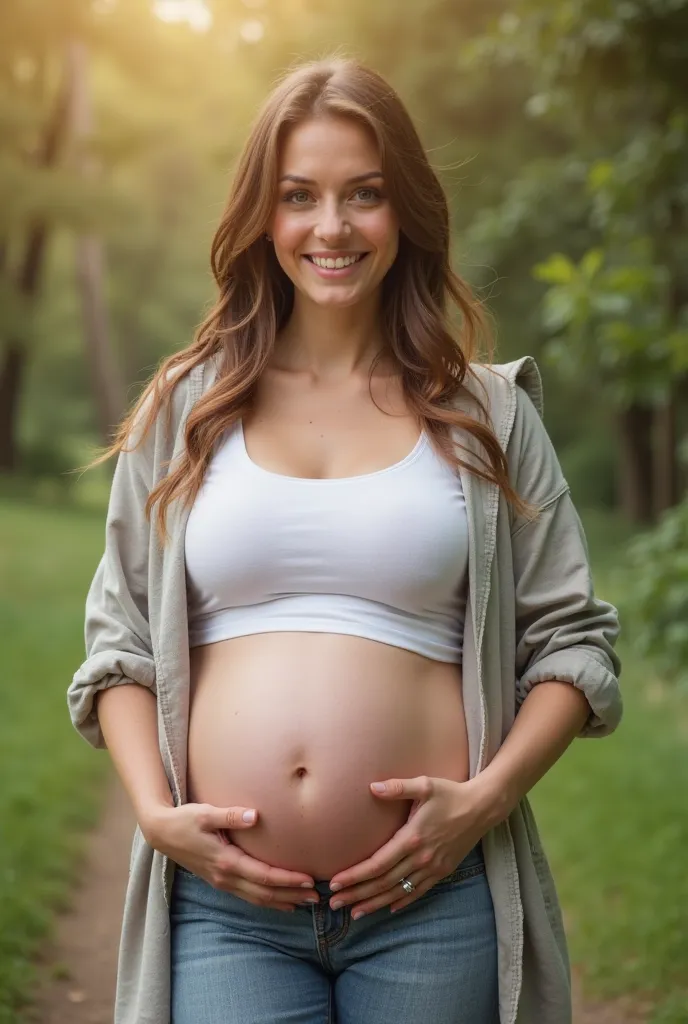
{"points": [[407, 885]]}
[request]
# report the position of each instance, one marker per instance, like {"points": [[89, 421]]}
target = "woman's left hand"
{"points": [[445, 822]]}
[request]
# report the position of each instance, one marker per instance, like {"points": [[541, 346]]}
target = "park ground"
{"points": [[612, 813]]}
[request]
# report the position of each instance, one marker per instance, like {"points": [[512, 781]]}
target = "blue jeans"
{"points": [[432, 962]]}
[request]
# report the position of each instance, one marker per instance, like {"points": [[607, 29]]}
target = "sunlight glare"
{"points": [[252, 31], [193, 12]]}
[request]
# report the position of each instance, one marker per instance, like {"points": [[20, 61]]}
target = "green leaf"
{"points": [[559, 310], [558, 269], [591, 263], [600, 175]]}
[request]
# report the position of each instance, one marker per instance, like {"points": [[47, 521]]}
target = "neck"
{"points": [[331, 343]]}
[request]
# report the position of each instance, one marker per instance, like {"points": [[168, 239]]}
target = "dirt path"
{"points": [[79, 965]]}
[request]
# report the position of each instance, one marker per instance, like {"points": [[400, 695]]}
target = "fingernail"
{"points": [[379, 787], [249, 816], [336, 887], [337, 904], [306, 885]]}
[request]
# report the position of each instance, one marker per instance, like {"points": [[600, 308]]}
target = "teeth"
{"points": [[332, 264]]}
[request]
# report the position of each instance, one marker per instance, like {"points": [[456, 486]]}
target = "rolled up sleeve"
{"points": [[117, 630], [564, 631]]}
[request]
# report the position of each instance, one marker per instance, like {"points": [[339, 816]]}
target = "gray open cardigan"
{"points": [[531, 616]]}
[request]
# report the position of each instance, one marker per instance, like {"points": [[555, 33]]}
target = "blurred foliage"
{"points": [[614, 321], [559, 129], [657, 603], [610, 77], [613, 74]]}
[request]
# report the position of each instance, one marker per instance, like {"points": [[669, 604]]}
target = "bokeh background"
{"points": [[560, 130]]}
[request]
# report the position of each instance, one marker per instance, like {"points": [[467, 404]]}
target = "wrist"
{"points": [[494, 800], [152, 817]]}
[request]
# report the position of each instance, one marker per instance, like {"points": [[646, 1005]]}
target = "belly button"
{"points": [[301, 772]]}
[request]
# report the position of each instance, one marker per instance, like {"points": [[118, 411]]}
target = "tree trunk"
{"points": [[11, 377], [665, 483], [14, 357], [668, 484], [635, 435], [106, 380], [682, 431]]}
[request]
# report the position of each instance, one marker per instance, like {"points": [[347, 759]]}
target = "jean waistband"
{"points": [[473, 857]]}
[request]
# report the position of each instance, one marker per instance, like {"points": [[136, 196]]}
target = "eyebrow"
{"points": [[309, 181]]}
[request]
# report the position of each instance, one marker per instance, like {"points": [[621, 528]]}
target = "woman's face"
{"points": [[334, 231]]}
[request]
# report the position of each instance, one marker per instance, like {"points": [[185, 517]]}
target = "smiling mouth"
{"points": [[336, 262]]}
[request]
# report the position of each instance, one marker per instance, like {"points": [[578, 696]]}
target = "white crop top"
{"points": [[383, 555]]}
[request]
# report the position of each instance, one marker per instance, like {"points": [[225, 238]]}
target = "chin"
{"points": [[335, 297], [335, 302]]}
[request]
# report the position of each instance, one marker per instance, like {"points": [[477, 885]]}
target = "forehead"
{"points": [[329, 148]]}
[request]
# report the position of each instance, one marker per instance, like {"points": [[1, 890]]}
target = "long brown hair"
{"points": [[421, 293]]}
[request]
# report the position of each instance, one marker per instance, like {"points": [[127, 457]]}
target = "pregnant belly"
{"points": [[298, 725]]}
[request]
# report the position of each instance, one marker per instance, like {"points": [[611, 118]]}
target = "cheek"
{"points": [[382, 230], [287, 232]]}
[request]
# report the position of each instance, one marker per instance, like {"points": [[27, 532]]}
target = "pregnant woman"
{"points": [[344, 619]]}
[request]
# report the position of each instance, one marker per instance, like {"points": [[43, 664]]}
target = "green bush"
{"points": [[657, 603], [590, 467], [47, 457]]}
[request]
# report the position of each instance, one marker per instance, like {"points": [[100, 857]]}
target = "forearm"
{"points": [[128, 719], [550, 718]]}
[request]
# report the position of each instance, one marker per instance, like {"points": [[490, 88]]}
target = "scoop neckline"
{"points": [[411, 457]]}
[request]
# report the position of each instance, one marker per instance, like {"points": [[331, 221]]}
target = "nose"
{"points": [[331, 224]]}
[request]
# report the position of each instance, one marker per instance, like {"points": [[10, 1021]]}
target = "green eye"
{"points": [[292, 196], [373, 194]]}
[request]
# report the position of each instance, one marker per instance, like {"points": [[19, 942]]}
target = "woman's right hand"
{"points": [[192, 835]]}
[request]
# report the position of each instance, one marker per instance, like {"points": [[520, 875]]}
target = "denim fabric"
{"points": [[434, 960], [532, 615]]}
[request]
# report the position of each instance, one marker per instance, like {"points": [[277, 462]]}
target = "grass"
{"points": [[614, 819], [52, 780], [613, 813]]}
